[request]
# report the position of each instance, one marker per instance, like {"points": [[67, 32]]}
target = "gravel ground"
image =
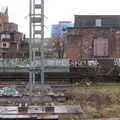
{"points": [[106, 119]]}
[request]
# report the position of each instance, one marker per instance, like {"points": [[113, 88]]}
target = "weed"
{"points": [[98, 115]]}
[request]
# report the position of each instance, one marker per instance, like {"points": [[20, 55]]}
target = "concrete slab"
{"points": [[14, 116], [46, 98], [25, 116], [41, 109], [105, 119], [68, 109], [58, 109], [49, 117], [8, 110]]}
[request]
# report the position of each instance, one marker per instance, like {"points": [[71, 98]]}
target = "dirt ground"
{"points": [[97, 101]]}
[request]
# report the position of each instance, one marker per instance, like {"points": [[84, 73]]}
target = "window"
{"points": [[4, 45], [38, 53], [45, 44], [3, 54], [50, 49], [5, 36], [53, 44], [61, 44]]}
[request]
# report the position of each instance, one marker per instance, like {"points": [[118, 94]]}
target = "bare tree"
{"points": [[59, 48]]}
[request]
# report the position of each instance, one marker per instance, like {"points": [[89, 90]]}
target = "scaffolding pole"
{"points": [[30, 47], [42, 43], [33, 75]]}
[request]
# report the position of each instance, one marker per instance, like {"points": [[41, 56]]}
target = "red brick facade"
{"points": [[92, 43], [12, 44]]}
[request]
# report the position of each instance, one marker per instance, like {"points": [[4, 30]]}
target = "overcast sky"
{"points": [[59, 10]]}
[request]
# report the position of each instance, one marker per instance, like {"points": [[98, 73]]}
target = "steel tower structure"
{"points": [[36, 31]]}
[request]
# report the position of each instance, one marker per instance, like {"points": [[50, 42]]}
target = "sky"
{"points": [[59, 10]]}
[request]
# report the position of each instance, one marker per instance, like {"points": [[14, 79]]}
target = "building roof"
{"points": [[93, 27], [98, 16], [66, 22]]}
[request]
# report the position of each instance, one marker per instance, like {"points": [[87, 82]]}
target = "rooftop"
{"points": [[98, 16]]}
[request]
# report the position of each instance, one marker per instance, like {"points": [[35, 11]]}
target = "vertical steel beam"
{"points": [[33, 75], [42, 42], [30, 47]]}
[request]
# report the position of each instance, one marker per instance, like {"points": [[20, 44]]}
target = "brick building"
{"points": [[53, 47], [94, 36], [4, 18], [12, 44], [97, 21]]}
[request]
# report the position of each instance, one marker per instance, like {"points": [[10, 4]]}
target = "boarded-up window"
{"points": [[98, 22], [101, 47]]}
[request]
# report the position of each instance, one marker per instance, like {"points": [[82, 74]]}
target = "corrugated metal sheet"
{"points": [[101, 47]]}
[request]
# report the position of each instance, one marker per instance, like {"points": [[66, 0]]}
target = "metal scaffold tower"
{"points": [[36, 27]]}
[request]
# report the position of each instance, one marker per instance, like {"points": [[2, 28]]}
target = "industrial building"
{"points": [[19, 63], [57, 29], [53, 47], [50, 47], [12, 42], [93, 37], [58, 35]]}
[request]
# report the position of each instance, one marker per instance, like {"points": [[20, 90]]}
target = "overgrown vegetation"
{"points": [[98, 100]]}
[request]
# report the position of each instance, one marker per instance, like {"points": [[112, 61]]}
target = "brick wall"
{"points": [[80, 42], [4, 18]]}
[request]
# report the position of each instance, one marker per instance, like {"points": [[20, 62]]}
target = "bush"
{"points": [[97, 115]]}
